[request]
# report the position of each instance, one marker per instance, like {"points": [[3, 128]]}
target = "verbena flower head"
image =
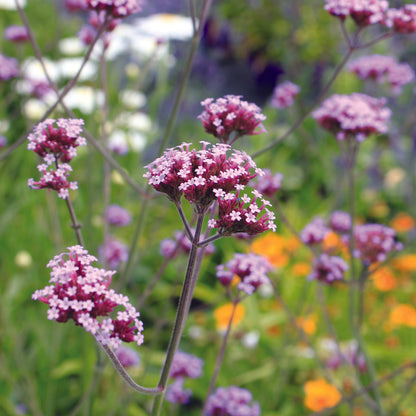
{"points": [[284, 94], [113, 252], [57, 146], [210, 174], [340, 221], [269, 183], [380, 68], [402, 20], [363, 12], [348, 354], [373, 242], [328, 269], [232, 401], [116, 8], [175, 393], [80, 292], [128, 357], [250, 268], [186, 365], [16, 33], [117, 215], [314, 232], [229, 118], [75, 5], [170, 248], [8, 68], [356, 115]]}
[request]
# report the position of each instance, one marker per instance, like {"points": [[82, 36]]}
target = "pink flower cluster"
{"points": [[356, 115], [229, 118], [170, 248], [328, 269], [380, 67], [16, 33], [116, 8], [363, 12], [8, 68], [373, 242], [250, 268], [183, 365], [57, 146], [269, 183], [117, 215], [284, 94], [81, 292], [314, 232], [232, 401], [210, 174], [113, 252], [402, 20], [347, 355]]}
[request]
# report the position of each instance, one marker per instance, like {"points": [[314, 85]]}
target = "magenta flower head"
{"points": [[16, 33], [269, 183], [171, 248], [363, 12], [250, 268], [175, 392], [57, 145], [284, 94], [8, 68], [373, 242], [116, 8], [356, 115], [229, 118], [116, 215], [113, 252], [402, 20], [314, 232], [80, 292], [186, 365], [232, 401], [380, 68], [75, 5], [328, 269], [128, 357], [340, 221]]}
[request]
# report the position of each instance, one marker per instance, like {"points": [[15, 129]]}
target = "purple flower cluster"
{"points": [[268, 184], [363, 12], [81, 292], [349, 355], [402, 20], [16, 33], [250, 268], [328, 269], [75, 5], [340, 222], [207, 175], [116, 215], [356, 115], [113, 252], [284, 94], [380, 67], [116, 8], [314, 232], [57, 146], [373, 242], [128, 357], [8, 68], [183, 365], [231, 115], [232, 401], [170, 248]]}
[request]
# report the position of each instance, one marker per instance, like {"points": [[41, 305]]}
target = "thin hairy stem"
{"points": [[75, 224]]}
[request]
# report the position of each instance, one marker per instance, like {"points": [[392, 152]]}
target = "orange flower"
{"points": [[403, 314], [222, 315], [273, 247], [307, 323], [402, 222], [320, 395], [301, 268], [405, 263], [384, 279]]}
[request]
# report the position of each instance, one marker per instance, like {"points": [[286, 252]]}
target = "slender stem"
{"points": [[182, 312], [75, 224], [303, 117], [126, 377], [184, 221], [209, 240], [184, 80], [405, 392], [220, 356]]}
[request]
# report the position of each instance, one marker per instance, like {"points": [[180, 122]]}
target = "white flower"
{"points": [[85, 99], [71, 46], [11, 4], [133, 99]]}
